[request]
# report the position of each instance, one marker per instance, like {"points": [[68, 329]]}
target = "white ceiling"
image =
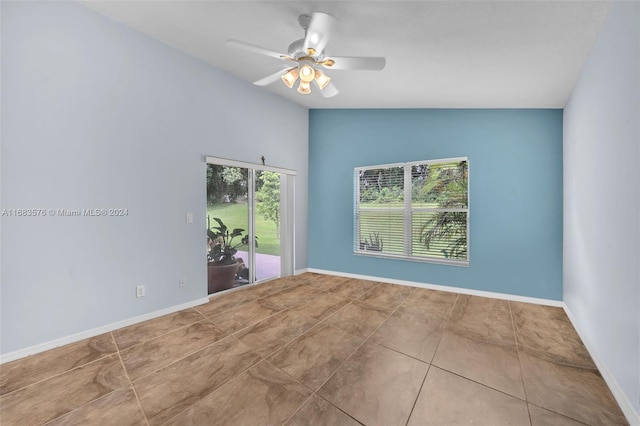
{"points": [[440, 54]]}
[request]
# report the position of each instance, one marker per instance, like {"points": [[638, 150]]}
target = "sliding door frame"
{"points": [[287, 216]]}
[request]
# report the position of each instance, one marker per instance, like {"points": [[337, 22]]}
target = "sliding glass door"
{"points": [[267, 224], [249, 223], [227, 210]]}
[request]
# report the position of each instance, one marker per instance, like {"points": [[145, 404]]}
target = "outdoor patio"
{"points": [[267, 265]]}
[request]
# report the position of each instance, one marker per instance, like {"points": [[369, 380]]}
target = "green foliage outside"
{"points": [[390, 236], [226, 199], [235, 215], [447, 184], [436, 234], [268, 197], [225, 184]]}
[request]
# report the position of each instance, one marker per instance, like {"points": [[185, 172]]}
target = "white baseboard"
{"points": [[460, 290], [632, 415], [52, 344]]}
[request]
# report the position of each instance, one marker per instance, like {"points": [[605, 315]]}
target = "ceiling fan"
{"points": [[306, 57]]}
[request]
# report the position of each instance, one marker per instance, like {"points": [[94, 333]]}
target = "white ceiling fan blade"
{"points": [[356, 63], [257, 49], [329, 90], [319, 31], [270, 78]]}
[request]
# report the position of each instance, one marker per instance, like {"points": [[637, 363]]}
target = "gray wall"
{"points": [[602, 197], [96, 115]]}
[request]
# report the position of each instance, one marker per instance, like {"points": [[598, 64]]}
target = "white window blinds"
{"points": [[417, 211]]}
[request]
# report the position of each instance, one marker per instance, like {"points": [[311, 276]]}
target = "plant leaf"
{"points": [[236, 232]]}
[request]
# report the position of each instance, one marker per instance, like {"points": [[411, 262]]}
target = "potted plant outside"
{"points": [[373, 243], [222, 263]]}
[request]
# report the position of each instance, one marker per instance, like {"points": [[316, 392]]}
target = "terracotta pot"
{"points": [[221, 277]]}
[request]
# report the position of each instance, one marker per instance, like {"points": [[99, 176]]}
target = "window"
{"points": [[417, 211]]}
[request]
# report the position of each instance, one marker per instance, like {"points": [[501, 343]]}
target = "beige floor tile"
{"points": [[271, 334], [376, 385], [274, 286], [147, 330], [322, 306], [317, 411], [386, 295], [430, 303], [353, 288], [245, 315], [17, 374], [263, 395], [317, 275], [414, 336], [167, 392], [447, 399], [219, 303], [305, 277], [117, 408], [292, 297], [542, 417], [188, 367], [292, 281], [482, 318], [549, 330], [326, 282], [358, 318], [578, 393], [490, 364], [155, 354], [317, 354], [56, 396], [420, 314]]}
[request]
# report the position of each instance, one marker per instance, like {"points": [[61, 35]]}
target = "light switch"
{"points": [[189, 217]]}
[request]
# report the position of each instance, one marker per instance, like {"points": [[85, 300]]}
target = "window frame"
{"points": [[407, 211]]}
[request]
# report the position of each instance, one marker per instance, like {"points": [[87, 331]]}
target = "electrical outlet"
{"points": [[140, 291], [182, 282]]}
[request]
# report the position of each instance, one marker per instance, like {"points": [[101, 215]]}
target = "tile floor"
{"points": [[317, 349]]}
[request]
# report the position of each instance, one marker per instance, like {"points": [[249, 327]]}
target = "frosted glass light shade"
{"points": [[322, 79], [307, 73], [290, 77], [304, 87]]}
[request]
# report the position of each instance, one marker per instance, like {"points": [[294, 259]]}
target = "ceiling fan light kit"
{"points": [[322, 79], [304, 88], [290, 77], [307, 73], [308, 53]]}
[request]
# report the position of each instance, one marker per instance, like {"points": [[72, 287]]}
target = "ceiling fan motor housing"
{"points": [[304, 20], [296, 49]]}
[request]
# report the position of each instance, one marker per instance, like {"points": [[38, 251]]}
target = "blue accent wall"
{"points": [[515, 176]]}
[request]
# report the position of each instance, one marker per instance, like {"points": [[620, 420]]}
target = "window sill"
{"points": [[463, 263]]}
